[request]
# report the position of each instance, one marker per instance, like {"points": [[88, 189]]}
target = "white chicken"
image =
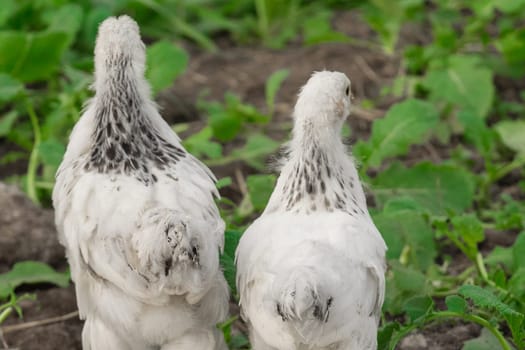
{"points": [[311, 269], [136, 215]]}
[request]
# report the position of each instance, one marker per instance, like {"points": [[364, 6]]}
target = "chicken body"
{"points": [[310, 270], [136, 215]]}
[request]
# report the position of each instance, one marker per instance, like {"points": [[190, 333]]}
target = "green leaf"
{"points": [[318, 29], [516, 283], [483, 298], [199, 144], [231, 240], [518, 251], [405, 124], [272, 86], [9, 88], [512, 134], [402, 225], [402, 283], [224, 182], [408, 279], [165, 62], [486, 341], [418, 307], [469, 228], [385, 334], [226, 120], [511, 46], [463, 83], [67, 19], [238, 341], [7, 121], [31, 56], [386, 18], [7, 9], [225, 125], [455, 303], [244, 111], [510, 6], [511, 215], [30, 272], [256, 149], [436, 188], [500, 255], [260, 188], [51, 152], [476, 132]]}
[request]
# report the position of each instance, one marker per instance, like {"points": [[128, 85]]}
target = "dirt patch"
{"points": [[441, 336], [50, 303], [244, 72], [27, 232]]}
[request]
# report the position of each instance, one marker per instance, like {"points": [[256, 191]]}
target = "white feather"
{"points": [[310, 270], [130, 244]]}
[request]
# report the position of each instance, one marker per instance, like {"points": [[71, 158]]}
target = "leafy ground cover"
{"points": [[438, 131]]}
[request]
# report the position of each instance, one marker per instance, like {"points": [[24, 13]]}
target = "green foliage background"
{"points": [[446, 91]]}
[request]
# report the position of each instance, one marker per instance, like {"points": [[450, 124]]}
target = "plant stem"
{"points": [[518, 162], [33, 159], [262, 19], [480, 266], [45, 185], [5, 314], [444, 293], [405, 255]]}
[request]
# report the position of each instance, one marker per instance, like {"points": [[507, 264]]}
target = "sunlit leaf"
{"points": [[51, 152], [435, 188], [231, 240], [9, 88], [260, 188], [512, 134], [7, 121], [31, 56], [200, 144], [463, 83], [165, 62], [418, 306], [483, 298], [30, 272], [518, 251], [456, 303], [256, 149], [405, 124], [486, 341], [469, 228], [402, 225], [272, 86], [67, 19]]}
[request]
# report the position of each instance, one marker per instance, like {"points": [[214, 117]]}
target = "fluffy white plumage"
{"points": [[137, 216], [311, 269]]}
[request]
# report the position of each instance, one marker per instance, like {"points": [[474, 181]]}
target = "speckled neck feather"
{"points": [[124, 140], [314, 179]]}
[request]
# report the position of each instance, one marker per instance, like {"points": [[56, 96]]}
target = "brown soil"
{"points": [[242, 71]]}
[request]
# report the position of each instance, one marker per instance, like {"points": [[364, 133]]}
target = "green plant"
{"points": [[45, 72], [27, 272], [453, 110]]}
